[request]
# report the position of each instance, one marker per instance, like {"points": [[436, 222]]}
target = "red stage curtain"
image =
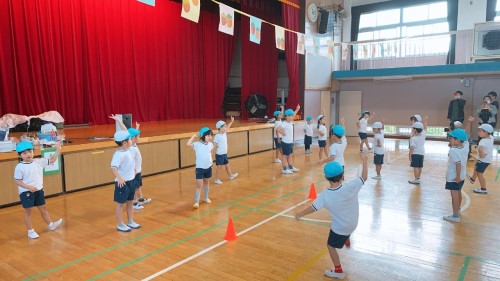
{"points": [[259, 63], [291, 21], [89, 58]]}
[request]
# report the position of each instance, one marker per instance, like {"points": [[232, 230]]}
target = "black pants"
{"points": [[307, 142]]}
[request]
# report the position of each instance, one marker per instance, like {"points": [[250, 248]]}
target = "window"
{"points": [[406, 22], [497, 18]]}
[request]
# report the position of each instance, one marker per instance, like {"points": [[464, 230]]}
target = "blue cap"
{"points": [[24, 145], [204, 130], [276, 113], [309, 118], [459, 134], [333, 169], [121, 136], [219, 124], [365, 112], [133, 132], [289, 112], [338, 130]]}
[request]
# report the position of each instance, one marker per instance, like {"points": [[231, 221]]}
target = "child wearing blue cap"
{"points": [[278, 115], [28, 175], [322, 136], [220, 144], [308, 134], [340, 199], [123, 167], [455, 175], [338, 146], [203, 148], [134, 133], [286, 131]]}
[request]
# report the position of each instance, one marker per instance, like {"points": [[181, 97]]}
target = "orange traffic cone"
{"points": [[230, 233], [312, 192]]}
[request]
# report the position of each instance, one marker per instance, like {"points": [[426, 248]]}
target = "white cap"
{"points": [[319, 117], [417, 125], [219, 124], [458, 124], [487, 128], [377, 125], [418, 117]]}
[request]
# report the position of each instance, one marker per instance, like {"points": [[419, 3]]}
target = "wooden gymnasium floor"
{"points": [[400, 236]]}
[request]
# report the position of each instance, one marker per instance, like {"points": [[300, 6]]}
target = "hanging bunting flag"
{"points": [[149, 2], [301, 43], [345, 51], [316, 45], [330, 48], [191, 10], [226, 22], [255, 29], [309, 44], [280, 37], [355, 51]]}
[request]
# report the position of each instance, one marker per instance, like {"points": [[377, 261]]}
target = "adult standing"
{"points": [[456, 108], [493, 96], [487, 112]]}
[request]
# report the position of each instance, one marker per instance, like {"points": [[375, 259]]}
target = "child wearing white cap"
{"points": [[378, 148], [417, 149], [485, 156], [341, 201], [123, 167], [203, 149], [308, 134], [278, 115], [220, 144]]}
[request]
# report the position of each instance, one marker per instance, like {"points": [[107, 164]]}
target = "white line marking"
{"points": [[467, 197], [220, 243], [404, 154]]}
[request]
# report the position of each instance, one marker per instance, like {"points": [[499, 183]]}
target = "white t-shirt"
{"points": [[342, 204], [308, 129], [457, 155], [363, 125], [123, 161], [277, 124], [322, 129], [137, 158], [337, 149], [417, 142], [377, 149], [288, 129], [203, 154], [221, 140], [31, 173], [487, 143]]}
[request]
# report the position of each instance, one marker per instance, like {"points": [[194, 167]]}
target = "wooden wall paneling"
{"points": [[260, 140]]}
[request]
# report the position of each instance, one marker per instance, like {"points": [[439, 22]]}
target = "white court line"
{"points": [[392, 160], [151, 277], [467, 197]]}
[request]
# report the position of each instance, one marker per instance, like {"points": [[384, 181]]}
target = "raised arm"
{"points": [[191, 140], [364, 160], [230, 123], [54, 156], [304, 212], [120, 123], [468, 124], [296, 110]]}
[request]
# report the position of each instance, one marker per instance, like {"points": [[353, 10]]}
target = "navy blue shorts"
{"points": [[322, 143], [336, 240], [481, 166], [363, 136], [138, 180], [277, 144], [221, 159], [125, 193], [454, 185], [378, 159], [417, 161], [203, 173], [286, 148], [308, 140], [31, 199]]}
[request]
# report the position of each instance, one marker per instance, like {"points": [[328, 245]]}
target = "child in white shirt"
{"points": [[378, 148], [485, 156], [277, 138], [338, 146], [362, 126], [203, 149], [220, 144], [417, 149], [286, 131], [308, 134], [323, 134]]}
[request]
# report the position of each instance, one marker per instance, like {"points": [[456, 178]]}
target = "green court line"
{"points": [[84, 258], [463, 272], [189, 237]]}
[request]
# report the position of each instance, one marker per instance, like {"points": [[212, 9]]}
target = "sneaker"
{"points": [[308, 151], [32, 234], [480, 191], [218, 181], [286, 171], [451, 218], [133, 225], [469, 177], [123, 228], [334, 274], [293, 169], [196, 206], [233, 176], [277, 160], [53, 225], [137, 206], [415, 181], [377, 177], [142, 201], [208, 201]]}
